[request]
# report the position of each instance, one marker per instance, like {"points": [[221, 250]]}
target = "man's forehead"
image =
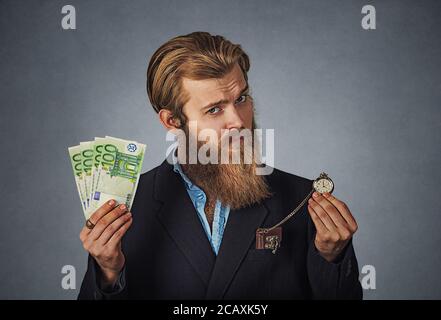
{"points": [[205, 91]]}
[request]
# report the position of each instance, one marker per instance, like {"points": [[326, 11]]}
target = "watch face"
{"points": [[323, 185]]}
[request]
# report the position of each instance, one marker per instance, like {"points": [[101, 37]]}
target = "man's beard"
{"points": [[235, 185]]}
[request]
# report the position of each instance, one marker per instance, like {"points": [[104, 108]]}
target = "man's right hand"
{"points": [[103, 242]]}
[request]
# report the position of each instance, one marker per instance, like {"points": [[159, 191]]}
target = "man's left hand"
{"points": [[334, 223]]}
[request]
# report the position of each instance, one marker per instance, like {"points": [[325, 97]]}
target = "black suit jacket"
{"points": [[168, 255]]}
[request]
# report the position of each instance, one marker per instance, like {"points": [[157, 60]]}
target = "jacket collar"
{"points": [[180, 219]]}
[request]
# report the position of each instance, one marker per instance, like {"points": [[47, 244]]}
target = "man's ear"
{"points": [[167, 119]]}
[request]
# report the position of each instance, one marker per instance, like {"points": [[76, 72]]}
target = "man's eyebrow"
{"points": [[211, 104]]}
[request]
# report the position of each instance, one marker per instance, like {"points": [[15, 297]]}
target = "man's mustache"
{"points": [[229, 146]]}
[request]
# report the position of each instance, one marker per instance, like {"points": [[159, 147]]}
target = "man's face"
{"points": [[223, 104], [219, 103]]}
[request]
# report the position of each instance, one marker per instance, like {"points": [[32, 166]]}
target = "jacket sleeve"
{"points": [[91, 288], [332, 280]]}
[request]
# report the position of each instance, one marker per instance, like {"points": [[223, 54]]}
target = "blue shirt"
{"points": [[198, 197]]}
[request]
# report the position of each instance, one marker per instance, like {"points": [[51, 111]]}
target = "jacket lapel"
{"points": [[180, 219], [238, 236]]}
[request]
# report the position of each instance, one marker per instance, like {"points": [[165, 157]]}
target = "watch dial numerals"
{"points": [[323, 185]]}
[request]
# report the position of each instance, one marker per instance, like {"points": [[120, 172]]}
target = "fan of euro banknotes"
{"points": [[106, 168]]}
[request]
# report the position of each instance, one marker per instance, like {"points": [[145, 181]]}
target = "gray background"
{"points": [[363, 106]]}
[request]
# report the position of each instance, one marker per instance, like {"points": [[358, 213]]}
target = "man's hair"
{"points": [[196, 56]]}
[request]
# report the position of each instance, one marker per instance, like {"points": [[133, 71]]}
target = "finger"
{"points": [[113, 227], [319, 225], [324, 217], [84, 232], [106, 220], [344, 211], [332, 211], [98, 214], [115, 240]]}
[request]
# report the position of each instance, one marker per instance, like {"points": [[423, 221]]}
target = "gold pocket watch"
{"points": [[271, 238], [323, 184]]}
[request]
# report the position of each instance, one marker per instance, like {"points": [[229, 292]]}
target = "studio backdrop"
{"points": [[352, 88]]}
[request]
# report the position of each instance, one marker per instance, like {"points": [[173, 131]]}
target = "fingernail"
{"points": [[315, 194], [129, 214], [111, 203], [326, 194], [310, 200], [122, 207]]}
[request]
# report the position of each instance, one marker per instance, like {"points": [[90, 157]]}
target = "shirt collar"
{"points": [[178, 169]]}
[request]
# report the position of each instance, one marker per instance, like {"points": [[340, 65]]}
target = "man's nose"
{"points": [[233, 119]]}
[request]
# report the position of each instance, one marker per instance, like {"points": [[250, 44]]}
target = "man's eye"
{"points": [[213, 110], [242, 98]]}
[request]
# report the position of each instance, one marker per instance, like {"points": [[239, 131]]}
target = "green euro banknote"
{"points": [[87, 161], [77, 166], [109, 168]]}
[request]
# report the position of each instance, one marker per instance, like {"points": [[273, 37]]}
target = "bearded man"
{"points": [[191, 232]]}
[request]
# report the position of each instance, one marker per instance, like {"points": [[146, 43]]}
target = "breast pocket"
{"points": [[261, 254]]}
